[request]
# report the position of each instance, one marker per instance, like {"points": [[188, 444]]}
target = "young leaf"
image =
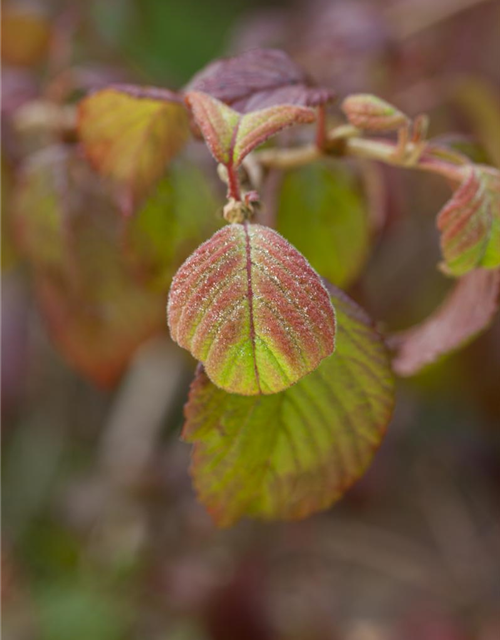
{"points": [[373, 114], [230, 135], [296, 452], [251, 309], [257, 79], [130, 133], [470, 222], [322, 214], [468, 310]]}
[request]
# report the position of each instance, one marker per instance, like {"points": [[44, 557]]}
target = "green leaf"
{"points": [[174, 220], [40, 211], [231, 135], [322, 214], [293, 453], [470, 222], [249, 306], [130, 133]]}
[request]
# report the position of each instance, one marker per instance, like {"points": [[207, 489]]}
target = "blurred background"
{"points": [[103, 538]]}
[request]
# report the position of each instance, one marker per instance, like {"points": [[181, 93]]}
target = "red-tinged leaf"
{"points": [[257, 79], [53, 189], [470, 222], [26, 34], [95, 310], [252, 310], [366, 111], [468, 310], [296, 452], [130, 133], [99, 333], [231, 135]]}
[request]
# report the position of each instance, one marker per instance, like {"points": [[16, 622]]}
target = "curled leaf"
{"points": [[373, 114], [130, 133], [470, 222], [293, 453], [259, 78], [230, 135], [468, 310], [252, 310]]}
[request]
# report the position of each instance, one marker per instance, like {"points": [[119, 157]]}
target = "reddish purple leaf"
{"points": [[257, 79], [468, 310]]}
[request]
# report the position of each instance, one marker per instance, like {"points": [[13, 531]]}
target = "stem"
{"points": [[383, 151], [321, 127], [289, 158], [233, 183]]}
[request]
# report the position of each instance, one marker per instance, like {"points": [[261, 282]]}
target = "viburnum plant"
{"points": [[295, 383]]}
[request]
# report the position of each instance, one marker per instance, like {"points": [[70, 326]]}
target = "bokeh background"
{"points": [[102, 536]]}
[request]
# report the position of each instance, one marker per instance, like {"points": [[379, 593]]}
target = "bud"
{"points": [[374, 114]]}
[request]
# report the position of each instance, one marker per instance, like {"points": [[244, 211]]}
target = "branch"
{"points": [[344, 141]]}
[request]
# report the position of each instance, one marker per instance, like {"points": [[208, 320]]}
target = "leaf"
{"points": [[470, 222], [468, 310], [96, 312], [373, 114], [251, 309], [131, 133], [98, 331], [256, 79], [322, 215], [230, 135], [43, 205], [296, 452], [26, 34], [172, 222]]}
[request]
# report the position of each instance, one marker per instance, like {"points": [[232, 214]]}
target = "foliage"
{"points": [[283, 420]]}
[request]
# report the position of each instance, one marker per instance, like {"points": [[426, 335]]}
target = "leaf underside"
{"points": [[131, 133], [470, 222], [468, 310], [294, 453], [250, 308], [258, 79]]}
